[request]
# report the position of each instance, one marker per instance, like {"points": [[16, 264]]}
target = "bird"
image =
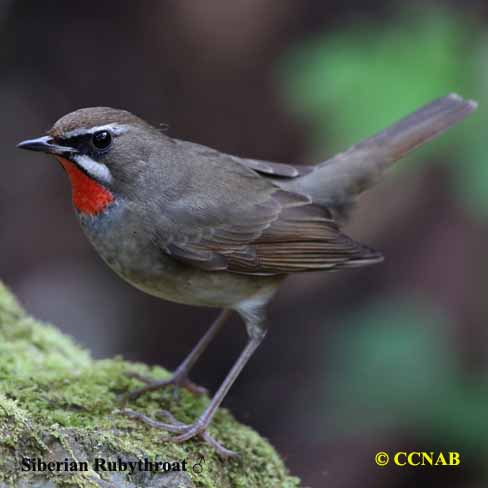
{"points": [[190, 224]]}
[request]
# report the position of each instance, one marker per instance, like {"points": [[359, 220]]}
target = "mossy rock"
{"points": [[58, 403]]}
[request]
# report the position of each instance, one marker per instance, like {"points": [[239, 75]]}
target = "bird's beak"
{"points": [[46, 144]]}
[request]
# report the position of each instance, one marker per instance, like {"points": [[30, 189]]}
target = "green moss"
{"points": [[57, 402]]}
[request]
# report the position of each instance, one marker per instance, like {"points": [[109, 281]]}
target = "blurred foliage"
{"points": [[354, 81], [393, 367], [390, 365]]}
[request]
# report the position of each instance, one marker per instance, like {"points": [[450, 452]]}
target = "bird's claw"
{"points": [[184, 432]]}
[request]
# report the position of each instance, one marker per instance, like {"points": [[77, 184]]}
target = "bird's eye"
{"points": [[102, 139]]}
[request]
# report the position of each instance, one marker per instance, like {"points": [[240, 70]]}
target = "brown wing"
{"points": [[221, 213], [285, 234]]}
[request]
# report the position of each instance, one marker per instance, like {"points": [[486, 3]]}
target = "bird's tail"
{"points": [[336, 182]]}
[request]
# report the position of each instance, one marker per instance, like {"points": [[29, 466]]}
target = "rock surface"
{"points": [[59, 405]]}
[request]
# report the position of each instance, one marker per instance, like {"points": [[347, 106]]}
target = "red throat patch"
{"points": [[89, 197]]}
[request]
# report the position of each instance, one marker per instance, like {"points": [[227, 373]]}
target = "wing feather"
{"points": [[251, 225]]}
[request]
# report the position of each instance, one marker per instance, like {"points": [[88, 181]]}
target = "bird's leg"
{"points": [[256, 332], [180, 375]]}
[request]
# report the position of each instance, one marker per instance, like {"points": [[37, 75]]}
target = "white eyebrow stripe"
{"points": [[97, 170], [115, 129]]}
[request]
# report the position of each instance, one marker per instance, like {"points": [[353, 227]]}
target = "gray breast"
{"points": [[122, 241]]}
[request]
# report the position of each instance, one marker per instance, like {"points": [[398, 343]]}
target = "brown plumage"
{"points": [[285, 234]]}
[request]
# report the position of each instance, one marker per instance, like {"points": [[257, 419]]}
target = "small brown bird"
{"points": [[192, 225]]}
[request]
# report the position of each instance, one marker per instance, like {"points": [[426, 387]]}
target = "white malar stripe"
{"points": [[114, 129], [97, 170]]}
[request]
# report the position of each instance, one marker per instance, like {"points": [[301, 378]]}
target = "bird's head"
{"points": [[101, 149]]}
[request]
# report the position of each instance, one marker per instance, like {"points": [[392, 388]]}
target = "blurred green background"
{"points": [[368, 74], [390, 358], [393, 365]]}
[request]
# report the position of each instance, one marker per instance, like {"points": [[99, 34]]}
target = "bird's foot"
{"points": [[184, 432], [179, 380]]}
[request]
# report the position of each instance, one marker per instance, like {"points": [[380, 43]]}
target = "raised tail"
{"points": [[336, 182]]}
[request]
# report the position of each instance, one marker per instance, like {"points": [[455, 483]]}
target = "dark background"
{"points": [[387, 358]]}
